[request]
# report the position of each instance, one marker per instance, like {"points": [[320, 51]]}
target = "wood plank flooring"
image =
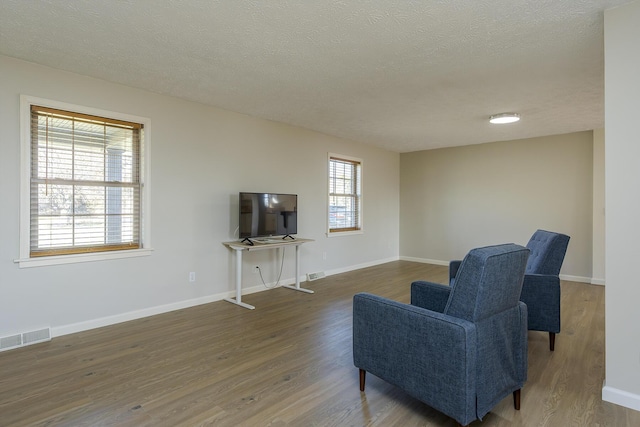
{"points": [[287, 363]]}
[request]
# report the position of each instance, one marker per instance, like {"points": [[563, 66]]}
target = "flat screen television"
{"points": [[267, 215]]}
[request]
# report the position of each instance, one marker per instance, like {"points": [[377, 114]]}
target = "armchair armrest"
{"points": [[541, 293], [428, 354], [453, 268], [432, 296]]}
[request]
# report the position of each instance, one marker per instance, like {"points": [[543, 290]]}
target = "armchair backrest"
{"points": [[489, 281], [547, 252]]}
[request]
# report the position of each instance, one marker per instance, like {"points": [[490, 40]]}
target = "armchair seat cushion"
{"points": [[429, 295]]}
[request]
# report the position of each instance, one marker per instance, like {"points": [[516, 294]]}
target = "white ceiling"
{"points": [[399, 74]]}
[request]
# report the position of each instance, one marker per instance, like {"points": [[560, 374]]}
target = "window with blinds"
{"points": [[85, 186], [345, 199]]}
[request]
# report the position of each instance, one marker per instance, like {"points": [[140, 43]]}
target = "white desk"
{"points": [[239, 247]]}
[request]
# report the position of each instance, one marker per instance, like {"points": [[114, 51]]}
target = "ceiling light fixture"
{"points": [[504, 118]]}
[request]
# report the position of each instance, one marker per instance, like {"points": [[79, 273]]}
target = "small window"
{"points": [[345, 197], [85, 186]]}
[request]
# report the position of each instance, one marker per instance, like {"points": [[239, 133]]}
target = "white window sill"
{"points": [[75, 258], [344, 233]]}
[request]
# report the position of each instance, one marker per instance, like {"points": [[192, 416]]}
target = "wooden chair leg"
{"points": [[552, 341], [363, 374], [516, 399]]}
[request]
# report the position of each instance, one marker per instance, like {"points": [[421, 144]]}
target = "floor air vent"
{"points": [[315, 276], [25, 338]]}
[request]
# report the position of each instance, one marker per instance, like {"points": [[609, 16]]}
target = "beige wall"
{"points": [[598, 208], [201, 157], [454, 199]]}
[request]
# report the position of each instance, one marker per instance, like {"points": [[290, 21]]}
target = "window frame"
{"points": [[359, 229], [26, 259]]}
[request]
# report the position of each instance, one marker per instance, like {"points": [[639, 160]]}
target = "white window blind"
{"points": [[85, 188], [345, 204]]}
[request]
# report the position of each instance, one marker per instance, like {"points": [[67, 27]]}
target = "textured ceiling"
{"points": [[399, 74]]}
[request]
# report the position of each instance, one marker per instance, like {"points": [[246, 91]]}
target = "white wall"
{"points": [[622, 179], [454, 199], [201, 157]]}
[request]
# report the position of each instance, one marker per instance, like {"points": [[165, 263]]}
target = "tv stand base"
{"points": [[298, 288], [240, 303]]}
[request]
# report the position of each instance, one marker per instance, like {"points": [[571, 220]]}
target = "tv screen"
{"points": [[268, 214]]}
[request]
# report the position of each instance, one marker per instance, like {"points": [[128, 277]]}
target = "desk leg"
{"points": [[297, 286], [238, 300]]}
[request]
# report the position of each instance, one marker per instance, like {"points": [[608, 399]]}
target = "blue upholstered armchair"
{"points": [[460, 349], [541, 287]]}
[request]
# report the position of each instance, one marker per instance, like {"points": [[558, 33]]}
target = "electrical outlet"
{"points": [[192, 276], [324, 256], [257, 269]]}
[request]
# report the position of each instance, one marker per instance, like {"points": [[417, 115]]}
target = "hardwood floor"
{"points": [[287, 363]]}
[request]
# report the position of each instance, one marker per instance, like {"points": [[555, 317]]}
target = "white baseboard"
{"points": [[152, 311], [575, 278], [359, 266], [566, 277], [132, 315], [620, 397], [424, 260]]}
